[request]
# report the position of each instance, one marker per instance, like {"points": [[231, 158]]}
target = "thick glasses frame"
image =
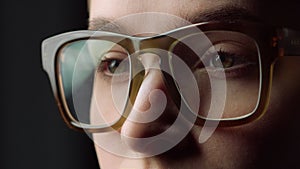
{"points": [[272, 44]]}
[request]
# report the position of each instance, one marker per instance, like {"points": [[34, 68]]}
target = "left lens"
{"points": [[95, 77]]}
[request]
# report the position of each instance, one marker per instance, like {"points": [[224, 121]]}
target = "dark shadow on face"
{"points": [[280, 146]]}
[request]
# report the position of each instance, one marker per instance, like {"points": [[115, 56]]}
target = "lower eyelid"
{"points": [[109, 77], [101, 67], [233, 72]]}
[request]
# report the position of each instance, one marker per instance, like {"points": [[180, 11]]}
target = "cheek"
{"points": [[286, 75], [239, 98], [235, 147], [285, 94], [108, 100], [102, 106], [269, 137]]}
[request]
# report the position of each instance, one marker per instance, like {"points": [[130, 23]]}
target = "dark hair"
{"points": [[281, 13]]}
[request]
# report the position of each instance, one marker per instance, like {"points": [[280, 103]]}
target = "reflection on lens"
{"points": [[227, 57], [95, 75]]}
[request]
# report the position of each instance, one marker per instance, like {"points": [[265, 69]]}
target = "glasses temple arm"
{"points": [[288, 42]]}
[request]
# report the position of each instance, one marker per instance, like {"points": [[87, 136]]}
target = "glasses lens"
{"points": [[95, 80], [221, 57]]}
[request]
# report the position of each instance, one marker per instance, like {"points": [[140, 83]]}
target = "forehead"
{"points": [[113, 9], [176, 13]]}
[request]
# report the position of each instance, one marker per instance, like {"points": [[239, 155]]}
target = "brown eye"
{"points": [[112, 65], [222, 60]]}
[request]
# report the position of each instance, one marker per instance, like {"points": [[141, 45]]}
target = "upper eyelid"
{"points": [[119, 56], [117, 51]]}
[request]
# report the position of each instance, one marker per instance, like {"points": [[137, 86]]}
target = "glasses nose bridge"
{"points": [[153, 54], [161, 42], [152, 50], [152, 69]]}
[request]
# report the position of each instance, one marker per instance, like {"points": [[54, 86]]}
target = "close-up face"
{"points": [[257, 144], [252, 145], [185, 84]]}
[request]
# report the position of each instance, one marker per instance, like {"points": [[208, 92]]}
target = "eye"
{"points": [[223, 60], [111, 65], [231, 61], [114, 64]]}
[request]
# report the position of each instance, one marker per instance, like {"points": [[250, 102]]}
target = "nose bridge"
{"points": [[151, 78], [149, 96], [147, 74], [152, 83], [152, 110]]}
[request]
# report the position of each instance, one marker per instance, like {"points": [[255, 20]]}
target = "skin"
{"points": [[270, 142]]}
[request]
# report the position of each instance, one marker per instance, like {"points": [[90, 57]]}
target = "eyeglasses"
{"points": [[96, 75]]}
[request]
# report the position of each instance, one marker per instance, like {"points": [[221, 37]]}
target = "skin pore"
{"points": [[264, 143]]}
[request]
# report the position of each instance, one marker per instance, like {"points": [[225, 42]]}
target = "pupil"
{"points": [[113, 66], [223, 61]]}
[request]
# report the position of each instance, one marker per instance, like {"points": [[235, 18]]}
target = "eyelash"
{"points": [[238, 68], [103, 64], [105, 74]]}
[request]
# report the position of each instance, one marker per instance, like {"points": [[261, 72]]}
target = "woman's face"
{"points": [[264, 143]]}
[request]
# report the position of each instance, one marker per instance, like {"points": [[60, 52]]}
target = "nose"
{"points": [[155, 107]]}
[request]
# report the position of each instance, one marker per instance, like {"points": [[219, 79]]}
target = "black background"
{"points": [[33, 135]]}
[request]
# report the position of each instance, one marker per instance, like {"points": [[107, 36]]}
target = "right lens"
{"points": [[95, 77], [218, 59]]}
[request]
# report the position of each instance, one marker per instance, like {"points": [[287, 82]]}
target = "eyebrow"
{"points": [[100, 23], [225, 13]]}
